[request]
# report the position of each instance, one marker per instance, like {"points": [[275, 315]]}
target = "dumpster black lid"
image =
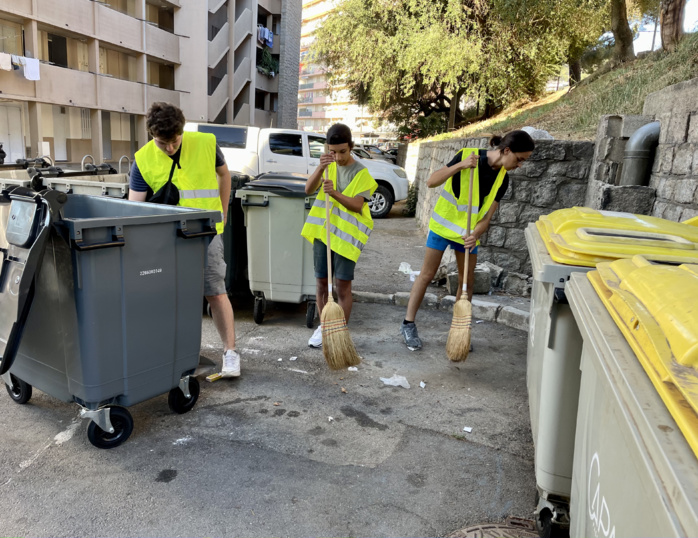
{"points": [[283, 184]]}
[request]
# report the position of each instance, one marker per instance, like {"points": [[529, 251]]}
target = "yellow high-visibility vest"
{"points": [[450, 218], [196, 179], [349, 229]]}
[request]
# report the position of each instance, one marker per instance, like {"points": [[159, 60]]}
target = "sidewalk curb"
{"points": [[482, 309]]}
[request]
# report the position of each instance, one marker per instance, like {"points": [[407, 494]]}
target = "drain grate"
{"points": [[513, 527]]}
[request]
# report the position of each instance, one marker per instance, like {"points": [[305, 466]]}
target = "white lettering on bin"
{"points": [[151, 271], [598, 509]]}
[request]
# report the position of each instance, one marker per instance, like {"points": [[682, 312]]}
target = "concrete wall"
{"points": [[287, 114]]}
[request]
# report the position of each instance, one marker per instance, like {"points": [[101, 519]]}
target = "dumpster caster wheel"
{"points": [[121, 421], [178, 402], [260, 305], [20, 391], [310, 314]]}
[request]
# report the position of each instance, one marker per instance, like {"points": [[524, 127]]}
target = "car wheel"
{"points": [[381, 202]]}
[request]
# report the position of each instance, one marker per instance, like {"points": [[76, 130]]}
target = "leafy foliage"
{"points": [[408, 58]]}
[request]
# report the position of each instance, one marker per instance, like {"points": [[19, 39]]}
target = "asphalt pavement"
{"points": [[291, 448]]}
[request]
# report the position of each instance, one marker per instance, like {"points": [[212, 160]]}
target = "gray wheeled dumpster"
{"points": [[101, 303], [280, 260]]}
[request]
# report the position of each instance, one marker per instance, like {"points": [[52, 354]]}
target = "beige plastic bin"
{"points": [[634, 473]]}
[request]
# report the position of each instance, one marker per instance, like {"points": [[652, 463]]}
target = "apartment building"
{"points": [[317, 109], [102, 63]]}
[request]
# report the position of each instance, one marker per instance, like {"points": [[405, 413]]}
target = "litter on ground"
{"points": [[396, 381]]}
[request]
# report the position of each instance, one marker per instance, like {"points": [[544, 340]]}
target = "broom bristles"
{"points": [[458, 344], [337, 347]]}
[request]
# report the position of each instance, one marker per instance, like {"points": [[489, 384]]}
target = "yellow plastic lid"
{"points": [[594, 236], [656, 308]]}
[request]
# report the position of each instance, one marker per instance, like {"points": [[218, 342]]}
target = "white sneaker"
{"points": [[316, 340], [231, 364]]}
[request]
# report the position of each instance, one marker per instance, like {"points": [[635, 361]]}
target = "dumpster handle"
{"points": [[117, 241], [182, 232], [265, 203]]}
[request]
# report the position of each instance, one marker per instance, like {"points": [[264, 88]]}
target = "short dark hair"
{"points": [[516, 141], [164, 121], [339, 134]]}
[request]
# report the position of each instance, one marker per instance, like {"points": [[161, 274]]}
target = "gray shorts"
{"points": [[342, 268], [214, 272]]}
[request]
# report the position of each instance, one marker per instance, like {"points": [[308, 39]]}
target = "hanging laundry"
{"points": [[5, 61], [261, 33], [270, 38], [16, 62], [31, 69]]}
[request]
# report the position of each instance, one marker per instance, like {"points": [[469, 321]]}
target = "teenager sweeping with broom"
{"points": [[346, 186], [449, 221]]}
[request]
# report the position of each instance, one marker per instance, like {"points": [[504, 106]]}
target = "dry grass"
{"points": [[575, 114]]}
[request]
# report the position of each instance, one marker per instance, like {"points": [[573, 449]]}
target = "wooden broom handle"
{"points": [[467, 229], [329, 250]]}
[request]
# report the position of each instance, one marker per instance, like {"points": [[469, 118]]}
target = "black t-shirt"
{"points": [[487, 176]]}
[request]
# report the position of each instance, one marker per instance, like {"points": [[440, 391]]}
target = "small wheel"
{"points": [[258, 311], [121, 421], [310, 314], [20, 391], [178, 402], [381, 202]]}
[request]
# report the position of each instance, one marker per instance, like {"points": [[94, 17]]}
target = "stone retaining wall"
{"points": [[675, 170]]}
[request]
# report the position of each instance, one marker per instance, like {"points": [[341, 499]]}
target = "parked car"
{"points": [[377, 153], [253, 151]]}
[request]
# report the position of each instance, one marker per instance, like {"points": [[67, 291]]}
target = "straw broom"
{"points": [[458, 343], [337, 346]]}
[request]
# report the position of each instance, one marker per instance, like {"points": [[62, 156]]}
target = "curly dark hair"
{"points": [[164, 121]]}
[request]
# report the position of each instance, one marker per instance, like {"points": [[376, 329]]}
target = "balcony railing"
{"points": [[242, 76], [218, 99], [219, 46], [243, 27]]}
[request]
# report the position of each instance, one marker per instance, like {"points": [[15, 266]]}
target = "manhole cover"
{"points": [[513, 527]]}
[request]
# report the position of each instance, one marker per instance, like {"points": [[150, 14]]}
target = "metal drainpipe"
{"points": [[639, 155]]}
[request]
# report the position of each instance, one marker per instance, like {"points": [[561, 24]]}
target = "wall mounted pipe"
{"points": [[639, 155]]}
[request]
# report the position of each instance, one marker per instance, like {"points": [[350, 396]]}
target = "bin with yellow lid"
{"points": [[635, 466], [584, 236], [552, 378]]}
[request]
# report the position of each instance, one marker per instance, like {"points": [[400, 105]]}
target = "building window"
{"points": [[11, 38], [161, 75], [162, 17], [259, 100], [117, 64], [127, 7]]}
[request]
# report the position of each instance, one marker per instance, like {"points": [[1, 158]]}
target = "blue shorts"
{"points": [[437, 242]]}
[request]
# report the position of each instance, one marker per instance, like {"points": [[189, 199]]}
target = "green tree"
{"points": [[411, 58]]}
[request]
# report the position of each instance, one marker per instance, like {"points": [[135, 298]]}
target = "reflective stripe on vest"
{"points": [[196, 180], [350, 230], [200, 193], [449, 218], [344, 215]]}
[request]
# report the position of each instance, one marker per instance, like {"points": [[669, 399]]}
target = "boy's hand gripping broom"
{"points": [[337, 346], [458, 343]]}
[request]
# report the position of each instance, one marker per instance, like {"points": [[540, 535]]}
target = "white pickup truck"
{"points": [[253, 151]]}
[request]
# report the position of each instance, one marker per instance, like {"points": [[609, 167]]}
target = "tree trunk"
{"points": [[671, 23], [453, 110], [622, 34], [575, 70]]}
